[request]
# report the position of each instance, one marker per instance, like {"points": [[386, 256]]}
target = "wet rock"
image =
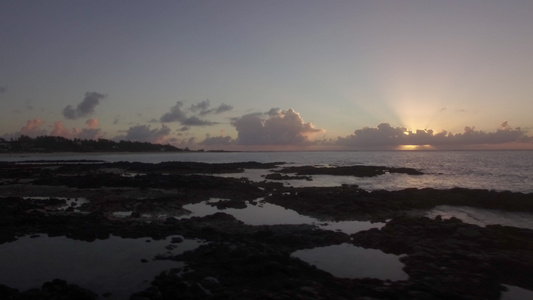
{"points": [[8, 293], [247, 272], [223, 204], [350, 202], [453, 259], [468, 233], [56, 289]]}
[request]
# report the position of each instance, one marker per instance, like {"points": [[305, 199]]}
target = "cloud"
{"points": [[92, 123], [3, 89], [251, 129], [143, 133], [177, 114], [383, 135], [85, 108], [203, 108], [33, 128], [218, 141], [223, 108], [505, 126], [91, 132], [60, 130], [470, 136], [278, 128], [386, 136], [195, 121], [274, 111], [87, 133]]}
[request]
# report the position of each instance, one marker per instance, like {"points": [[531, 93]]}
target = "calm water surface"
{"points": [[494, 170], [112, 265]]}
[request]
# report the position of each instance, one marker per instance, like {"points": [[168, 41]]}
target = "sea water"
{"points": [[493, 170]]}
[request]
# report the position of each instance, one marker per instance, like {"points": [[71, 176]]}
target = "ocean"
{"points": [[492, 170]]}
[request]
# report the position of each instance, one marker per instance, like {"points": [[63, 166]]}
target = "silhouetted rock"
{"points": [[449, 257], [56, 289]]}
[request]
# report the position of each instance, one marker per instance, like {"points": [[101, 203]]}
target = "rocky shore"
{"points": [[444, 258]]}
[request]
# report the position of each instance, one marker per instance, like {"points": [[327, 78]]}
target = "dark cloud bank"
{"points": [[384, 135]]}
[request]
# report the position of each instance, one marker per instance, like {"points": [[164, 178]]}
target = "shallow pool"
{"points": [[349, 261], [115, 265]]}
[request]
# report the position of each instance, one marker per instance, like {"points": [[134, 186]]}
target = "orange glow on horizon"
{"points": [[415, 147]]}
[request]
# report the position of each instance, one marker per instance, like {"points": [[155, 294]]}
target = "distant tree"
{"points": [[61, 144]]}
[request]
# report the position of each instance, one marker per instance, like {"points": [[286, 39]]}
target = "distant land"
{"points": [[48, 144]]}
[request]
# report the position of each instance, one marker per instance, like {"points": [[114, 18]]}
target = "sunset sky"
{"points": [[271, 75]]}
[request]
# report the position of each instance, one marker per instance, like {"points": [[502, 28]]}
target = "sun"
{"points": [[415, 147]]}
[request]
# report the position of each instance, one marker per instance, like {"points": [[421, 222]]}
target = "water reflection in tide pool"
{"points": [[348, 261], [113, 265], [263, 213]]}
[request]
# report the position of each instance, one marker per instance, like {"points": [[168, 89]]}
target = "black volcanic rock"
{"points": [[449, 257], [55, 289]]}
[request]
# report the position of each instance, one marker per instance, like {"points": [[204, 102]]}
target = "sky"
{"points": [[271, 75]]}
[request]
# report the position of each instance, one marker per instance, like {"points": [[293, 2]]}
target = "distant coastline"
{"points": [[67, 154], [57, 145]]}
